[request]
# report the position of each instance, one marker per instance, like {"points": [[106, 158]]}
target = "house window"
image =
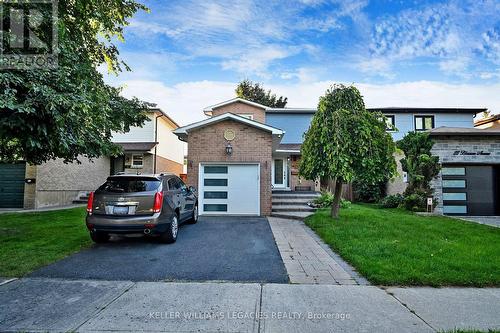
{"points": [[423, 123], [246, 115], [390, 122], [137, 161]]}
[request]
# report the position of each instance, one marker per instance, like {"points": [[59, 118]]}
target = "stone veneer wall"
{"points": [[242, 108], [58, 183], [445, 146], [207, 144]]}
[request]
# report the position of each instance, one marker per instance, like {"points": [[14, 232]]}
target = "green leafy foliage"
{"points": [[326, 199], [392, 201], [70, 111], [421, 167], [346, 142], [369, 193], [255, 92]]}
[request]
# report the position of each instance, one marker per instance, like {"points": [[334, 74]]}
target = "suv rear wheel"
{"points": [[170, 235], [99, 237]]}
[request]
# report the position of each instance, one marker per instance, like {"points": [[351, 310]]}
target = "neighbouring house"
{"points": [[469, 181], [152, 148], [488, 122], [245, 150]]}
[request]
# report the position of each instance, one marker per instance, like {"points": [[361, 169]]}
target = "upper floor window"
{"points": [[246, 115], [423, 123], [390, 122]]}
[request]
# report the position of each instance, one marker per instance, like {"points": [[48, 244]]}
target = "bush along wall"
{"points": [[421, 167]]}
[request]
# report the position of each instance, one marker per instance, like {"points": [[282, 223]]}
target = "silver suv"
{"points": [[150, 204]]}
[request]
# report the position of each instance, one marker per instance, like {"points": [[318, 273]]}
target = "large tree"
{"points": [[345, 142], [70, 111], [255, 92]]}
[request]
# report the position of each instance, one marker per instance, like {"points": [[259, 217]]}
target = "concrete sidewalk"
{"points": [[37, 304]]}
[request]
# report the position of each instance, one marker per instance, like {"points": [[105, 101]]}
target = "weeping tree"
{"points": [[345, 143]]}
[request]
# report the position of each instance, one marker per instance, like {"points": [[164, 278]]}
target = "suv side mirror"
{"points": [[192, 189]]}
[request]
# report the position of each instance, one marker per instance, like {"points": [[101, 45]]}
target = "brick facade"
{"points": [[207, 144], [166, 165], [259, 114]]}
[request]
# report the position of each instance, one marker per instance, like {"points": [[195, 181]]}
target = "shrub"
{"points": [[392, 201], [415, 202], [365, 192], [345, 203], [326, 198]]}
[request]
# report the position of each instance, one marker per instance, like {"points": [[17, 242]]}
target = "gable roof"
{"points": [[208, 110], [182, 132], [164, 114]]}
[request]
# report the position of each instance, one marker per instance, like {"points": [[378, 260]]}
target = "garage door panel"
{"points": [[229, 189], [12, 185]]}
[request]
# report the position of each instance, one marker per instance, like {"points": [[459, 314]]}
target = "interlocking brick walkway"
{"points": [[307, 259]]}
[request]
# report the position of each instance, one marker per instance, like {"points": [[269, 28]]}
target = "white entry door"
{"points": [[280, 173], [232, 189]]}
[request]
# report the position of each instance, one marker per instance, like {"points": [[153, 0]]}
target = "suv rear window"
{"points": [[129, 185]]}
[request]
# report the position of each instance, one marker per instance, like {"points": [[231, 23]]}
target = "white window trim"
{"points": [[246, 115], [132, 166]]}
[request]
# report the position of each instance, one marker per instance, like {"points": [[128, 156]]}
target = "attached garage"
{"points": [[12, 185], [231, 189]]}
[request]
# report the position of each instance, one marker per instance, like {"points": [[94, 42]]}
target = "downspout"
{"points": [[156, 140]]}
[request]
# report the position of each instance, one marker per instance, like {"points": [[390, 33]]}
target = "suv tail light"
{"points": [[158, 202], [90, 203]]}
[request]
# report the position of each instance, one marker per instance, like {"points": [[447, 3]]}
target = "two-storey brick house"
{"points": [[245, 150]]}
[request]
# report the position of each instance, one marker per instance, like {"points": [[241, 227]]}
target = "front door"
{"points": [[279, 173]]}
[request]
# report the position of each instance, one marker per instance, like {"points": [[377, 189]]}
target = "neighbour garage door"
{"points": [[229, 189], [12, 185]]}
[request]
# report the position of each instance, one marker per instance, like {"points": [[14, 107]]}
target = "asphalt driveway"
{"points": [[216, 248]]}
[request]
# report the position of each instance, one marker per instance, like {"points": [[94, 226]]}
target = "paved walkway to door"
{"points": [[307, 259]]}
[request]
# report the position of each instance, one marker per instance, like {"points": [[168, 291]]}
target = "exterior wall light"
{"points": [[229, 149]]}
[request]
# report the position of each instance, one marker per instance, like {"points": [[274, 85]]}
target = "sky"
{"points": [[189, 54]]}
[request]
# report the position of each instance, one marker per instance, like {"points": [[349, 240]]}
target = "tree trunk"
{"points": [[336, 198]]}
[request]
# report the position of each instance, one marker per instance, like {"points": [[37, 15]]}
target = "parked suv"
{"points": [[149, 204]]}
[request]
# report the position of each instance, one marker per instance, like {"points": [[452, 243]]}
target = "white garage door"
{"points": [[229, 189]]}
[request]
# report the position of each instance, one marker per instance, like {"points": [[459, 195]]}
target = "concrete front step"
{"points": [[301, 208], [292, 215], [295, 196], [291, 202]]}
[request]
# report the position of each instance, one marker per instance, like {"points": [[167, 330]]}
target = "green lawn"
{"points": [[395, 247], [31, 240]]}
